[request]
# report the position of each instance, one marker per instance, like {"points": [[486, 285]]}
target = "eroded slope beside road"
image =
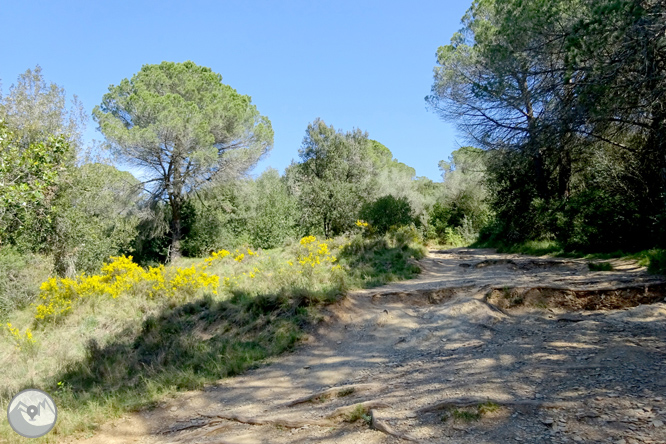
{"points": [[422, 358]]}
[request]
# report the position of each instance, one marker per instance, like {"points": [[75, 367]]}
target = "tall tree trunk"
{"points": [[537, 156], [176, 229], [175, 192]]}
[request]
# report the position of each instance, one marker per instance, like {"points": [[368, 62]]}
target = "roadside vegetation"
{"points": [[128, 337], [117, 291]]}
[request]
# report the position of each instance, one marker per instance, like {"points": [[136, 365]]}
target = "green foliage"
{"points": [[391, 177], [214, 220], [377, 260], [387, 212], [182, 125], [346, 392], [382, 160], [152, 244], [95, 216], [657, 262], [168, 348], [332, 179], [359, 412], [261, 213], [488, 407], [462, 209], [37, 110], [275, 212], [470, 414], [29, 178], [465, 415], [533, 248], [574, 153], [21, 276], [600, 266]]}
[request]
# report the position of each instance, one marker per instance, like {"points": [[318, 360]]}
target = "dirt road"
{"points": [[481, 348]]}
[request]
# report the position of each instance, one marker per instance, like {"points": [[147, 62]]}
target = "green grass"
{"points": [[112, 356], [532, 248], [358, 413], [346, 392], [600, 266], [377, 261], [654, 259], [465, 415], [470, 414], [20, 278], [488, 407]]}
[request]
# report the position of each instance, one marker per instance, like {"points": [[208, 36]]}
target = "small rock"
{"points": [[307, 367], [657, 423], [547, 421], [173, 409]]}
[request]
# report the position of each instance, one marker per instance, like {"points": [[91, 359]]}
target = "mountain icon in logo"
{"points": [[32, 413]]}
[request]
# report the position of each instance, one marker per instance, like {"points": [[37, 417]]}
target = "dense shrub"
{"points": [[599, 221], [20, 277], [387, 212], [657, 261]]}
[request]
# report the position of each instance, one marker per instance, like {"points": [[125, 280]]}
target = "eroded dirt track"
{"points": [[421, 355]]}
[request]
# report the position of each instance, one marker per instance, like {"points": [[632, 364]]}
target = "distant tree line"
{"points": [[191, 140]]}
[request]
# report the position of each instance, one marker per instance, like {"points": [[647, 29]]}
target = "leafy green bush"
{"points": [[378, 260], [657, 262], [275, 212], [599, 221], [20, 278], [95, 216], [28, 177], [404, 235], [387, 212], [453, 237]]}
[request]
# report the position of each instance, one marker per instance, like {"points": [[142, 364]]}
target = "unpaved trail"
{"points": [[475, 326]]}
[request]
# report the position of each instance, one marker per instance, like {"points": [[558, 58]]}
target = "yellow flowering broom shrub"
{"points": [[313, 253], [118, 277], [122, 276], [362, 224], [23, 342]]}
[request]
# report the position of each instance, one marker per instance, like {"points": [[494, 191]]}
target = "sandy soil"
{"points": [[475, 326]]}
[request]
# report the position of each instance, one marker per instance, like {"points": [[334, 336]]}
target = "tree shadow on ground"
{"points": [[185, 346]]}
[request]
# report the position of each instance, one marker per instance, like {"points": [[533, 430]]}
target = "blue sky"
{"points": [[356, 64]]}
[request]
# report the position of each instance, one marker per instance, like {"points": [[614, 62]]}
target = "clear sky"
{"points": [[356, 64]]}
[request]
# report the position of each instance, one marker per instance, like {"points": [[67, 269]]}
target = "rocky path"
{"points": [[481, 348]]}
